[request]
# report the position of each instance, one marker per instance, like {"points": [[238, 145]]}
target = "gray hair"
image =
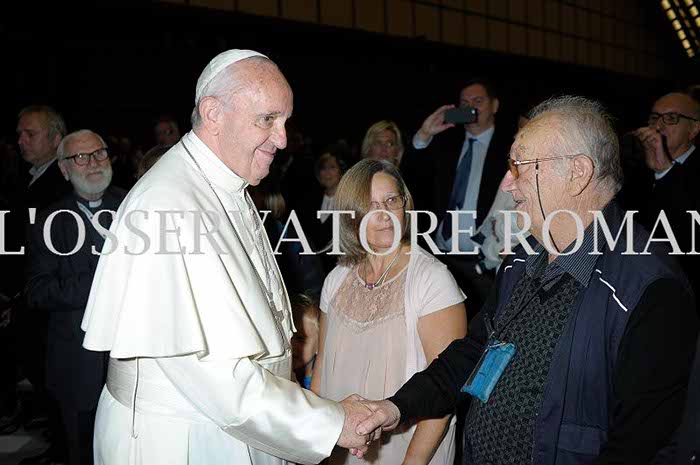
{"points": [[225, 85], [57, 126], [61, 150], [586, 128]]}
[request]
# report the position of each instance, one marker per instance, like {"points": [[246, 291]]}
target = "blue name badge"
{"points": [[488, 371]]}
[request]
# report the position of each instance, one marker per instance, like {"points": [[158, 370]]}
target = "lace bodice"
{"points": [[363, 308]]}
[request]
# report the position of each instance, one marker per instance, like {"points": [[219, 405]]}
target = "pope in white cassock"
{"points": [[190, 303]]}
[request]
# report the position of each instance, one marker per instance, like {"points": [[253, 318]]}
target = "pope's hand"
{"points": [[355, 412], [385, 417]]}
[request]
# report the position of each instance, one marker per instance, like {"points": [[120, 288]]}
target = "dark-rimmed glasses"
{"points": [[670, 118], [393, 203], [82, 159], [513, 164]]}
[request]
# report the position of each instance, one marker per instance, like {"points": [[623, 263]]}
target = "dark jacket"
{"points": [[59, 286], [580, 399], [676, 193], [51, 185], [581, 402], [688, 452]]}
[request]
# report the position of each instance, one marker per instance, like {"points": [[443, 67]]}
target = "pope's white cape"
{"points": [[159, 304], [162, 300]]}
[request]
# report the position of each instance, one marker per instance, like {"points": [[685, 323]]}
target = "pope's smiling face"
{"points": [[252, 126]]}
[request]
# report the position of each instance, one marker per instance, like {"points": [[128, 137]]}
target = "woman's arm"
{"points": [[436, 330], [316, 377]]}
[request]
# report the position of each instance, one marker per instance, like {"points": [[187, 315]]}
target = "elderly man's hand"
{"points": [[355, 412], [385, 416], [434, 124], [655, 153]]}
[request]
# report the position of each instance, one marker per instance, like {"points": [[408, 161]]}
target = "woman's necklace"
{"points": [[381, 279]]}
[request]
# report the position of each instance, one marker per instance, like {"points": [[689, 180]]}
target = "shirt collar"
{"points": [[91, 204], [483, 138], [685, 155], [38, 170], [214, 169], [580, 264]]}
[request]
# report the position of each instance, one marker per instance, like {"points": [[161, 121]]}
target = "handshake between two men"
{"points": [[365, 420]]}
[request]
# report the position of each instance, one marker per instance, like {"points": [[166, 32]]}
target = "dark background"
{"points": [[115, 68]]}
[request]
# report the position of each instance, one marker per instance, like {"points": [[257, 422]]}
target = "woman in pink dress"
{"points": [[386, 314]]}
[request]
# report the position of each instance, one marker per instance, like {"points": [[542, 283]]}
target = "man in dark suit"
{"points": [[59, 285], [460, 169], [39, 131], [672, 183]]}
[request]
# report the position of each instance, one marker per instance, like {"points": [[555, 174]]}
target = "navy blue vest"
{"points": [[579, 399]]}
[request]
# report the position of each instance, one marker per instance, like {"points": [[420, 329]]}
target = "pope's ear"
{"points": [[210, 111]]}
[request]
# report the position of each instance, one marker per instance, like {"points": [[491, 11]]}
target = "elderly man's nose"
{"points": [[508, 183]]}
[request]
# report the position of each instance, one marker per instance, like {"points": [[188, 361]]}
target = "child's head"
{"points": [[305, 340]]}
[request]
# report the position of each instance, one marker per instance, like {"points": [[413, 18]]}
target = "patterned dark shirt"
{"points": [[533, 320]]}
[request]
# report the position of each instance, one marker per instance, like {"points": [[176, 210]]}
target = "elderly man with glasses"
{"points": [[672, 183], [581, 354], [61, 265]]}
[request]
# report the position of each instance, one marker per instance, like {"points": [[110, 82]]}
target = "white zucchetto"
{"points": [[218, 64]]}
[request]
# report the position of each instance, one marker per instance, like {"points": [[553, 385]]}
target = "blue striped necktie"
{"points": [[459, 189]]}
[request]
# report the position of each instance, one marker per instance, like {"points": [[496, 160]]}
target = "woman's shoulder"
{"points": [[423, 261], [335, 277]]}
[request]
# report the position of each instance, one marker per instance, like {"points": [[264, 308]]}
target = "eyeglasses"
{"points": [[513, 164], [393, 203], [82, 159], [669, 119]]}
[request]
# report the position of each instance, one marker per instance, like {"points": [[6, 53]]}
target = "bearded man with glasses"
{"points": [[59, 275], [581, 354]]}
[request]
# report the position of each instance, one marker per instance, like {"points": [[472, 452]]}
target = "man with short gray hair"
{"points": [[39, 131], [191, 304], [59, 275], [581, 354]]}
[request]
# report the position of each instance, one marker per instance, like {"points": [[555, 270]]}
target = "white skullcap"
{"points": [[218, 64]]}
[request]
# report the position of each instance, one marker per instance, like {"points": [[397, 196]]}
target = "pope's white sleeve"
{"points": [[267, 412]]}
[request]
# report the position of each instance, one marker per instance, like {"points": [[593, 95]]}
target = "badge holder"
{"points": [[490, 367]]}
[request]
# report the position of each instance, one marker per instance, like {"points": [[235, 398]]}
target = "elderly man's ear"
{"points": [[580, 175], [64, 170], [695, 131], [211, 110]]}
